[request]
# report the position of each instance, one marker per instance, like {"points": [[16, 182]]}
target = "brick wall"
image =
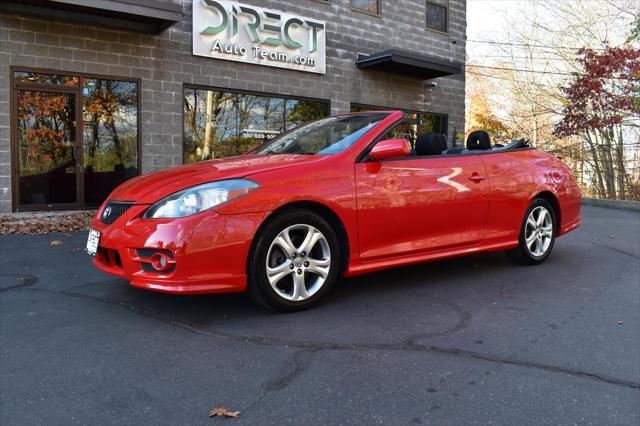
{"points": [[164, 63]]}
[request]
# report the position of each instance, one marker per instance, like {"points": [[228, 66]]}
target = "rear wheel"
{"points": [[537, 234], [294, 261]]}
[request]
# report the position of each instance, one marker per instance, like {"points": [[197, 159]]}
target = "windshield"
{"points": [[323, 137]]}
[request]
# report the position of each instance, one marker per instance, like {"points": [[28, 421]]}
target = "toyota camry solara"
{"points": [[337, 197]]}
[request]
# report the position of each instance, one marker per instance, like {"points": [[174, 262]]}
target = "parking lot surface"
{"points": [[463, 341]]}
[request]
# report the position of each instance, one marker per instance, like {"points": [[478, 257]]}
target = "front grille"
{"points": [[113, 210], [109, 257]]}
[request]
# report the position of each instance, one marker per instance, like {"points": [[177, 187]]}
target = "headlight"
{"points": [[199, 198]]}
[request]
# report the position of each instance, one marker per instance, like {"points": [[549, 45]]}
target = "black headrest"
{"points": [[431, 144], [478, 140]]}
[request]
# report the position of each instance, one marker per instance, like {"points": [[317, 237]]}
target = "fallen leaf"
{"points": [[223, 412], [39, 224], [24, 278], [620, 322], [56, 243]]}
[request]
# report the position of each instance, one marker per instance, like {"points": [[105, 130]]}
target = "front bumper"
{"points": [[210, 250]]}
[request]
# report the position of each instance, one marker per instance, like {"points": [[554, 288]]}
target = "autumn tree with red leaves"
{"points": [[45, 125], [599, 103]]}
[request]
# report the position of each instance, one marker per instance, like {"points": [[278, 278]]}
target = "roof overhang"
{"points": [[402, 62], [147, 16]]}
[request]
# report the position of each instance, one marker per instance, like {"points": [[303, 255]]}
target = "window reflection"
{"points": [[432, 123], [259, 119], [46, 140], [221, 124], [40, 78], [299, 112], [110, 136]]}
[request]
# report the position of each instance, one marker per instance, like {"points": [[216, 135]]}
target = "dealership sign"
{"points": [[239, 32]]}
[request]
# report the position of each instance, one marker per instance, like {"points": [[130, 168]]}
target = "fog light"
{"points": [[161, 261]]}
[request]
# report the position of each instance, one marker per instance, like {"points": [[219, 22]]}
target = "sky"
{"points": [[488, 20]]}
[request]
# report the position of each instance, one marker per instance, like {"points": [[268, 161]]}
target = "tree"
{"points": [[635, 30], [597, 104], [480, 113], [633, 37]]}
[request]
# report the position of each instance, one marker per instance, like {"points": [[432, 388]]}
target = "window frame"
{"points": [[366, 12], [78, 92], [185, 86], [442, 3]]}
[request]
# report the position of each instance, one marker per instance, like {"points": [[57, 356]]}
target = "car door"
{"points": [[420, 204]]}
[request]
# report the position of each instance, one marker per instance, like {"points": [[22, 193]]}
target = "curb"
{"points": [[612, 204]]}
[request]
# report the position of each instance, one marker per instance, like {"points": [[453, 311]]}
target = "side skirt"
{"points": [[358, 267]]}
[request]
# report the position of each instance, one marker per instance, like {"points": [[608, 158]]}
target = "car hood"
{"points": [[151, 187]]}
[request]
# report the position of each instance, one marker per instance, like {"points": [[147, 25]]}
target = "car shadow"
{"points": [[374, 289]]}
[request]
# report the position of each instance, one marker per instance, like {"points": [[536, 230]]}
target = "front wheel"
{"points": [[537, 234], [294, 261]]}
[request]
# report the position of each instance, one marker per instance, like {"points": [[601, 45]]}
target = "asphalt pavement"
{"points": [[474, 340]]}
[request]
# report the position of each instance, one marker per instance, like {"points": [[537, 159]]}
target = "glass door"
{"points": [[74, 138], [46, 134]]}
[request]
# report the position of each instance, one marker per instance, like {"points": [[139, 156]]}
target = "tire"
{"points": [[536, 240], [293, 273]]}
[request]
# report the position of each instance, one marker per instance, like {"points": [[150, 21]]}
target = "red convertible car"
{"points": [[337, 197]]}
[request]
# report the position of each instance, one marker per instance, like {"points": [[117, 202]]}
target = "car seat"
{"points": [[478, 140], [431, 144]]}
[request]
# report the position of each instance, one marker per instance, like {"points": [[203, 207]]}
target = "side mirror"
{"points": [[390, 148]]}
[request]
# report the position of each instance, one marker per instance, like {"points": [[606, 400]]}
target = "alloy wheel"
{"points": [[298, 262], [538, 231]]}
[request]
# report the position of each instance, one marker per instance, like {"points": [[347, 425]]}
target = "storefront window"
{"points": [[415, 123], [221, 124]]}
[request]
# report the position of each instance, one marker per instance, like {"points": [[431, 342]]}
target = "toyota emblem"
{"points": [[106, 212]]}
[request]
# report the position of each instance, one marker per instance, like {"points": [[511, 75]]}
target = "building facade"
{"points": [[95, 92]]}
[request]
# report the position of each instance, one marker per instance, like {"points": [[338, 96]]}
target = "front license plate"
{"points": [[92, 242]]}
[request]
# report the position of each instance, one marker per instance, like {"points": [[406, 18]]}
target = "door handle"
{"points": [[475, 177]]}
